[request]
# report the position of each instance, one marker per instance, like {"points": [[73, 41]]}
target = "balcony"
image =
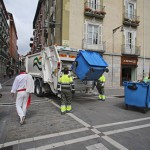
{"points": [[100, 47], [130, 20], [93, 10], [130, 50], [4, 53]]}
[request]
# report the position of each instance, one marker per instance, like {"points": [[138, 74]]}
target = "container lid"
{"points": [[93, 58]]}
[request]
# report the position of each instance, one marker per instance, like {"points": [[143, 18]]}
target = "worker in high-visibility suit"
{"points": [[100, 87], [147, 79], [66, 87]]}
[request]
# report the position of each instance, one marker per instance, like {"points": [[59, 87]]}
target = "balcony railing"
{"points": [[130, 50], [100, 47], [4, 54], [131, 20], [94, 10]]}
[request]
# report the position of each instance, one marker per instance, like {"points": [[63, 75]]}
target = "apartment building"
{"points": [[118, 30], [13, 48], [4, 38], [8, 42]]}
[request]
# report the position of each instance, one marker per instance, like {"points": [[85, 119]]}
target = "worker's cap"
{"points": [[22, 69], [66, 70], [106, 70]]}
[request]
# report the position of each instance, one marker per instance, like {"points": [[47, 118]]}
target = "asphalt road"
{"points": [[93, 124]]}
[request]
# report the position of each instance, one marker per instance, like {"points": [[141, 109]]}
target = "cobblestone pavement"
{"points": [[93, 124]]}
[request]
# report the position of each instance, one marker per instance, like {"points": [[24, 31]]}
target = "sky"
{"points": [[23, 12]]}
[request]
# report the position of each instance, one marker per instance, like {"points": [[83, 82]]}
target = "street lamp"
{"points": [[113, 31]]}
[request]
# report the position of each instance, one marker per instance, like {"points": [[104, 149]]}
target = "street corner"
{"points": [[42, 118]]}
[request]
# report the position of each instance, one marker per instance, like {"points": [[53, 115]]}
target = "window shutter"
{"points": [[98, 5], [85, 31], [127, 48], [100, 34], [89, 5], [133, 42], [92, 4], [126, 9], [133, 38], [126, 38]]}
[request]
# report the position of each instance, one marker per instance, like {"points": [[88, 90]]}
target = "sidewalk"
{"points": [[7, 84], [111, 91]]}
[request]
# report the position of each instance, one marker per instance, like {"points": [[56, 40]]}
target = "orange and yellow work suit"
{"points": [[66, 83], [147, 79], [100, 87]]}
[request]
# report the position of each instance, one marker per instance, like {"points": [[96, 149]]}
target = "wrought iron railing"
{"points": [[94, 9], [131, 18], [128, 49], [97, 46], [4, 54]]}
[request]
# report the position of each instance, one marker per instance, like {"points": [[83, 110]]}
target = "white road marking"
{"points": [[96, 131], [114, 143], [44, 137], [126, 129], [54, 103], [68, 142], [6, 81], [79, 120], [60, 133], [122, 122], [26, 140], [11, 143], [99, 146], [1, 145], [73, 116]]}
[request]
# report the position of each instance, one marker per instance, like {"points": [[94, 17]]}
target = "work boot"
{"points": [[102, 99], [22, 120], [63, 113], [69, 111], [99, 97], [68, 108]]}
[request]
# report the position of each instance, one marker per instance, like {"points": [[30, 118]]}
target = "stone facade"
{"points": [[96, 25]]}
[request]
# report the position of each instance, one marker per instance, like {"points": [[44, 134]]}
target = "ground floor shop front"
{"points": [[125, 68]]}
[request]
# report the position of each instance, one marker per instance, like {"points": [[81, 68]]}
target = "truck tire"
{"points": [[38, 90]]}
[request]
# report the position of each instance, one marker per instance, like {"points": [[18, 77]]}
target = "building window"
{"points": [[94, 4], [130, 42], [130, 8], [131, 11], [129, 38], [92, 35]]}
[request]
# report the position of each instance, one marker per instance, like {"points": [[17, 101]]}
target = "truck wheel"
{"points": [[145, 110], [38, 90], [127, 107]]}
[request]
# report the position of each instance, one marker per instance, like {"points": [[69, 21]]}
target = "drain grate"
{"points": [[8, 85], [7, 104], [7, 148], [119, 96]]}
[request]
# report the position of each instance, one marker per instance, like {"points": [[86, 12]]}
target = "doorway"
{"points": [[128, 73]]}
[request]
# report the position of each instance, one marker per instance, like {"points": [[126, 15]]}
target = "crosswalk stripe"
{"points": [[122, 122], [98, 146], [126, 129], [68, 142], [114, 143]]}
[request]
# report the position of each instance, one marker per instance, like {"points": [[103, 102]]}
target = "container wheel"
{"points": [[38, 90], [127, 107], [145, 110]]}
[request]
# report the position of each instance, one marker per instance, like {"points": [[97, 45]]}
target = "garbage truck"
{"points": [[47, 66]]}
